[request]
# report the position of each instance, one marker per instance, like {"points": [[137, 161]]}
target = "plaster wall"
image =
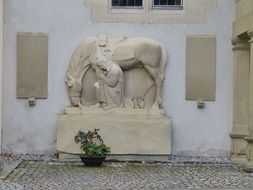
{"points": [[194, 131], [1, 68]]}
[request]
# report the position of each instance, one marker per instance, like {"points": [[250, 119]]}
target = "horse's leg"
{"points": [[159, 94], [154, 73]]}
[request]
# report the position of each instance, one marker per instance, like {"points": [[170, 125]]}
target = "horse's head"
{"points": [[74, 89]]}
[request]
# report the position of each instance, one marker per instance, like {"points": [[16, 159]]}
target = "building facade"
{"points": [[195, 131]]}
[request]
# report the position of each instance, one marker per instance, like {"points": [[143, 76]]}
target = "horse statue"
{"points": [[128, 53]]}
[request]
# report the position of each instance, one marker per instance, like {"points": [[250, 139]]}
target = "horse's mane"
{"points": [[79, 62]]}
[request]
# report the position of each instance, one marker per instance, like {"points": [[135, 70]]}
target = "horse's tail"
{"points": [[161, 76], [163, 64]]}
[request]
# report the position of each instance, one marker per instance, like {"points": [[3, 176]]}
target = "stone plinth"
{"points": [[126, 131]]}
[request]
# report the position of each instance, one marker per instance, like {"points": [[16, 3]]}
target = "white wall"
{"points": [[33, 130], [1, 69]]}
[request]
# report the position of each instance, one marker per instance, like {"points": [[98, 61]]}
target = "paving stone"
{"points": [[179, 172], [53, 175], [11, 186]]}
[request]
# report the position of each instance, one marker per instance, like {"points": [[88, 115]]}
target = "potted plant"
{"points": [[92, 144]]}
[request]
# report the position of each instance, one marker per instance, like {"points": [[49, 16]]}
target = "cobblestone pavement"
{"points": [[53, 175]]}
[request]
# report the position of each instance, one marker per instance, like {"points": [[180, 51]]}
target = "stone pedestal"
{"points": [[249, 138], [126, 131], [241, 99], [238, 148], [249, 167]]}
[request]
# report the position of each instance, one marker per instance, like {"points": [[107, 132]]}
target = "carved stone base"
{"points": [[238, 148], [126, 131], [249, 167]]}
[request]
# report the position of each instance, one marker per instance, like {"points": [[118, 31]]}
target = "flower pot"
{"points": [[92, 160]]}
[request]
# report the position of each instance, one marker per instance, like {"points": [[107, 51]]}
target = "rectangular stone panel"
{"points": [[200, 68], [32, 65]]}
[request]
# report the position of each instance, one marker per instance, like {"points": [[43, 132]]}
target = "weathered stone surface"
{"points": [[126, 131]]}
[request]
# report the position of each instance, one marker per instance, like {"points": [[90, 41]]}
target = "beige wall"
{"points": [[243, 8], [243, 82], [244, 16], [193, 12]]}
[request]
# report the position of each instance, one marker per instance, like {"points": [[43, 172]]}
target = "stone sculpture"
{"points": [[107, 62], [123, 77], [109, 87]]}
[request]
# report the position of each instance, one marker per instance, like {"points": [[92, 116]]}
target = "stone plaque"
{"points": [[32, 65], [200, 68]]}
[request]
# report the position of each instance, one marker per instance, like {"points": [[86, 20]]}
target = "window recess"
{"points": [[129, 4], [168, 4]]}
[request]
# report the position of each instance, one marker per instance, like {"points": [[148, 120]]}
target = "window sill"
{"points": [[167, 7], [127, 7], [128, 10]]}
